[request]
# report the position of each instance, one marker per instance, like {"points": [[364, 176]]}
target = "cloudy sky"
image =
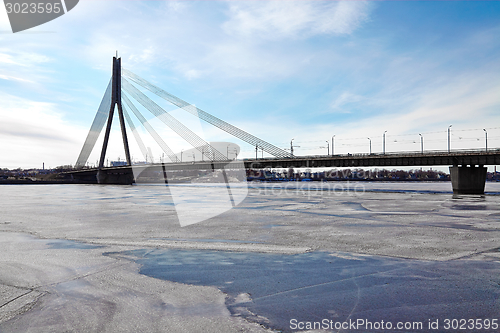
{"points": [[305, 70]]}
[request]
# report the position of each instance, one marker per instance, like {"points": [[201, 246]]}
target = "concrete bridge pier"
{"points": [[123, 176], [468, 179]]}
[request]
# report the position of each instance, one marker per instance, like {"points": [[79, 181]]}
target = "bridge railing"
{"points": [[392, 154]]}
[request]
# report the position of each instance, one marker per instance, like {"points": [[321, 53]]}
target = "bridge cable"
{"points": [[235, 131], [96, 128], [131, 124], [173, 123], [150, 129], [188, 135]]}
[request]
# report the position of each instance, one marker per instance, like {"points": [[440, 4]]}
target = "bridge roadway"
{"points": [[407, 159]]}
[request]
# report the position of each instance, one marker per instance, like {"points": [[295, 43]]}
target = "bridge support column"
{"points": [[122, 176], [468, 179]]}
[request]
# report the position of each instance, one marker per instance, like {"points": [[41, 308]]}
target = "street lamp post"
{"points": [[333, 145], [327, 147], [421, 143], [384, 142], [486, 137], [181, 155], [227, 151], [291, 148], [449, 138], [370, 145]]}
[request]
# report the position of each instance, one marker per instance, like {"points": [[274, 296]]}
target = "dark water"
{"points": [[316, 286]]}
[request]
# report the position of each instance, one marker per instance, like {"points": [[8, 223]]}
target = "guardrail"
{"points": [[392, 154]]}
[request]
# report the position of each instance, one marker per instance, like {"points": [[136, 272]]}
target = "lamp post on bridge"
{"points": [[333, 145], [449, 138], [384, 142], [370, 145], [421, 143], [486, 137], [291, 147]]}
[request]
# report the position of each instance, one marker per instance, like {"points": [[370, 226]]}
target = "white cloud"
{"points": [[7, 77], [346, 98], [190, 42], [7, 59], [176, 6], [192, 74], [24, 68], [244, 59], [278, 19], [33, 132], [146, 55], [24, 59]]}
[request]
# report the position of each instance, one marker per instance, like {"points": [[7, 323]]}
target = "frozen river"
{"points": [[116, 259]]}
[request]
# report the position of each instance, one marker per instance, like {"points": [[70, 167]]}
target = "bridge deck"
{"points": [[470, 157], [491, 157]]}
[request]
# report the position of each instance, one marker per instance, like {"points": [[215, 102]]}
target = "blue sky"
{"points": [[306, 70]]}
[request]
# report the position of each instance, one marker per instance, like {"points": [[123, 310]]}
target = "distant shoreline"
{"points": [[80, 182]]}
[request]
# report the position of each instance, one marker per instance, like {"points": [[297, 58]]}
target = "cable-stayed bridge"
{"points": [[117, 91], [467, 167]]}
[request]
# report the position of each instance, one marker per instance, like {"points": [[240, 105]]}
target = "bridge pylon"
{"points": [[104, 177]]}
